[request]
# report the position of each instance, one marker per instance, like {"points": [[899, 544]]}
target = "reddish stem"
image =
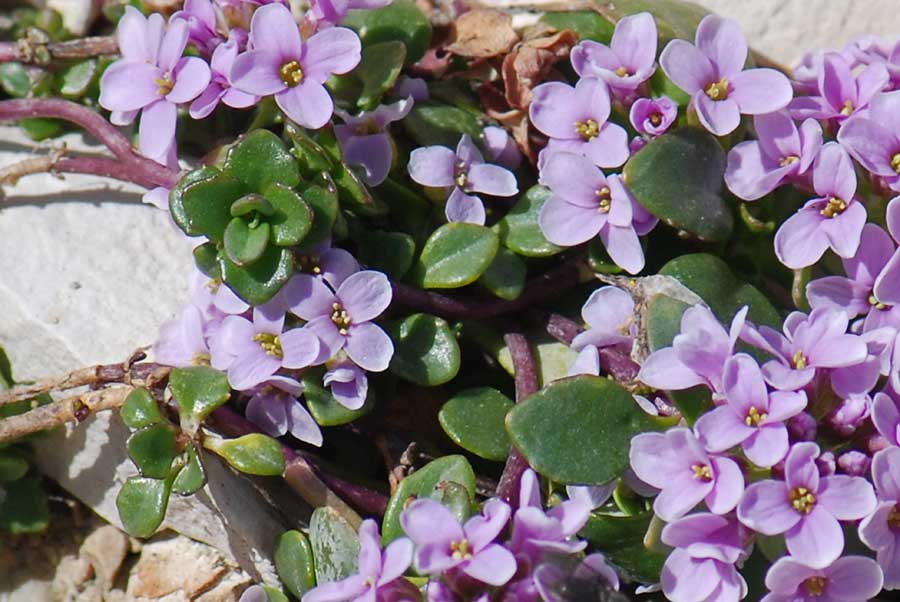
{"points": [[148, 174]]}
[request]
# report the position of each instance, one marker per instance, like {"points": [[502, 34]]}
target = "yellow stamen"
{"points": [[291, 74], [655, 118], [201, 359], [799, 360], [789, 160], [754, 417], [270, 343], [165, 84], [848, 108], [460, 549], [834, 207], [895, 162], [718, 90], [340, 317], [874, 302], [815, 586], [461, 174], [802, 499], [702, 472], [622, 72], [605, 200], [588, 130]]}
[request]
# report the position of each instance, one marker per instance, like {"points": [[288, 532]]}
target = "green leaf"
{"points": [[674, 18], [14, 80], [425, 350], [255, 453], [621, 539], [259, 282], [142, 504], [553, 359], [388, 252], [455, 255], [41, 128], [401, 20], [334, 543], [313, 159], [140, 409], [378, 70], [274, 595], [474, 420], [206, 258], [152, 449], [198, 390], [260, 159], [243, 244], [6, 375], [293, 218], [192, 475], [587, 24], [24, 507], [578, 430], [505, 277], [427, 482], [12, 467], [678, 178], [519, 230], [326, 410], [324, 205], [203, 207], [250, 203], [294, 563], [431, 123], [77, 77]]}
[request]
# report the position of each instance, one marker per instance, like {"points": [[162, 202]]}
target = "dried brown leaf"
{"points": [[531, 62], [483, 33]]}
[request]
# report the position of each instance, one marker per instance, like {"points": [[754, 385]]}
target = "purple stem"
{"points": [[526, 385], [147, 174], [613, 361]]}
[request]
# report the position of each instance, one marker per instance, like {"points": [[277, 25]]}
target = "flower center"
{"points": [[702, 472], [655, 118], [291, 74], [754, 417], [718, 90], [622, 72], [367, 128], [201, 359], [270, 343], [788, 160], [802, 499], [848, 108], [895, 162], [604, 199], [799, 360], [588, 130], [309, 264], [460, 549], [874, 302], [893, 519], [815, 586], [460, 174], [834, 207], [165, 84], [340, 317]]}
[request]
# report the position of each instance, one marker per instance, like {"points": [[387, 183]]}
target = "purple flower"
{"points": [[628, 61], [701, 568], [609, 314], [841, 94], [886, 418], [348, 383], [275, 409], [575, 121], [874, 139], [326, 13], [697, 355], [819, 340], [152, 78], [158, 197], [333, 265], [849, 414], [200, 16], [783, 152], [676, 463], [880, 531], [854, 463], [181, 341], [411, 86], [834, 219], [251, 352], [807, 508], [443, 544], [585, 204], [848, 579], [653, 116], [220, 88], [281, 63], [711, 71], [377, 569], [500, 147], [465, 171], [342, 319], [365, 141], [751, 416]]}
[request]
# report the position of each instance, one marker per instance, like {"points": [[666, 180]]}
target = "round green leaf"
{"points": [[578, 430], [203, 207], [76, 78], [142, 505], [140, 409], [335, 545], [378, 70], [388, 252], [401, 20], [678, 177], [587, 24], [41, 128], [152, 450], [24, 507], [192, 475], [431, 123], [250, 203], [621, 539], [14, 80], [292, 219], [325, 409], [474, 419], [251, 454], [455, 255], [506, 275], [198, 390], [429, 481], [324, 205], [425, 350], [519, 230], [12, 467], [243, 244], [206, 258], [294, 563], [259, 282], [260, 159]]}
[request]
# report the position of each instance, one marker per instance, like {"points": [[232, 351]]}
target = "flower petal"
{"points": [[760, 91], [465, 208], [309, 104], [369, 347], [336, 50], [765, 508], [846, 497], [432, 166], [365, 295], [687, 66], [817, 540]]}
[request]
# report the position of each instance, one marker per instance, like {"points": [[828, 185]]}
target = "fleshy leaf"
{"points": [[431, 123], [401, 20], [505, 277], [455, 255], [292, 219], [425, 350], [140, 409], [519, 230], [255, 453], [24, 507], [294, 562], [12, 467], [621, 539], [243, 244], [203, 207], [198, 390], [474, 420], [334, 543], [75, 79], [260, 159], [152, 450], [378, 70], [259, 282], [142, 504], [192, 475], [587, 24], [324, 205], [388, 252]]}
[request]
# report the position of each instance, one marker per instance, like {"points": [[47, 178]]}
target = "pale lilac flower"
{"points": [[807, 508], [697, 355], [327, 13], [676, 463], [854, 463], [411, 86], [628, 61], [841, 94], [808, 343], [501, 148], [575, 120], [215, 298], [251, 352], [377, 569], [782, 153], [158, 197], [181, 340], [593, 496], [848, 579], [874, 139], [200, 16], [849, 414], [342, 319], [585, 204], [886, 418], [276, 409], [466, 172], [609, 315], [653, 116], [333, 265], [294, 70], [348, 383], [152, 78], [701, 568], [220, 88], [751, 416], [443, 544], [550, 579], [365, 141], [711, 72], [880, 531]]}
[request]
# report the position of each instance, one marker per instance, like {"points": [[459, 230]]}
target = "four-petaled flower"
{"points": [[628, 61], [653, 116], [880, 531], [275, 409], [848, 579], [365, 141], [220, 88], [841, 93], [874, 139]]}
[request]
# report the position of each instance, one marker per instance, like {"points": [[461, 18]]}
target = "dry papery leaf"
{"points": [[482, 33], [532, 61]]}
